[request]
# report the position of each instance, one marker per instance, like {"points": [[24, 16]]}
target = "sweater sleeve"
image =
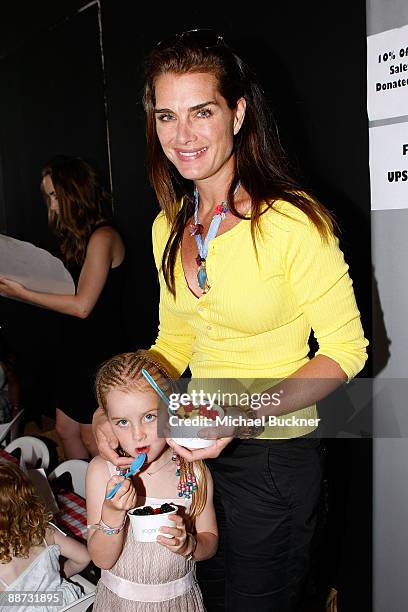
{"points": [[319, 279], [175, 336]]}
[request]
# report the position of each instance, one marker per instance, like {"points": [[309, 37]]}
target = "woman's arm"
{"points": [[106, 549], [98, 260], [308, 385], [318, 276]]}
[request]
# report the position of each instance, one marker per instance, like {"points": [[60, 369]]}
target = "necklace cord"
{"points": [[219, 215], [161, 467]]}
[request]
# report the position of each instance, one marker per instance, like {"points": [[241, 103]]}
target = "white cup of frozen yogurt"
{"points": [[146, 527]]}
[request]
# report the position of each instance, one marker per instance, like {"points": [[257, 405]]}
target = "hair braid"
{"points": [[199, 497]]}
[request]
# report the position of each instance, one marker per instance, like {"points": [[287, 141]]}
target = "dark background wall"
{"points": [[71, 83]]}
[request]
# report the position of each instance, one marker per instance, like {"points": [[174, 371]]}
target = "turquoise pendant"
{"points": [[202, 278]]}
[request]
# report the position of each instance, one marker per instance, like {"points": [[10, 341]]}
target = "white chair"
{"points": [[8, 431], [41, 484], [87, 585], [32, 449], [80, 605], [77, 468]]}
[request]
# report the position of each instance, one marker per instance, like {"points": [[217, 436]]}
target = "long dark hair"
{"points": [[261, 164], [82, 201]]}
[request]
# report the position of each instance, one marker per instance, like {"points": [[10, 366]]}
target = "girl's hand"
{"points": [[179, 542], [211, 452], [11, 288], [124, 499]]}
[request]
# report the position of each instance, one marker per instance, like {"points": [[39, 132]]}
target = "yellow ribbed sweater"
{"points": [[252, 327]]}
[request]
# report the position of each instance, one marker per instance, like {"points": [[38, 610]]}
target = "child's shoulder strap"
{"points": [[4, 583], [111, 468]]}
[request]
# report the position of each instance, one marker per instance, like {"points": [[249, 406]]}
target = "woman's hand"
{"points": [[179, 542], [211, 452], [106, 440], [13, 289], [222, 434], [216, 432], [124, 499]]}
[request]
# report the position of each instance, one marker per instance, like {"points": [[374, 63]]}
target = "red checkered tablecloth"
{"points": [[5, 456], [72, 513]]}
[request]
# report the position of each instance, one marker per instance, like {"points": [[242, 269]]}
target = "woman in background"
{"points": [[80, 213]]}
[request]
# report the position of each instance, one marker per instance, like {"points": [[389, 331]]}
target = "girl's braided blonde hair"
{"points": [[124, 373]]}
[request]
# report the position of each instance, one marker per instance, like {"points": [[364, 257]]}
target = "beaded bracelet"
{"points": [[106, 529]]}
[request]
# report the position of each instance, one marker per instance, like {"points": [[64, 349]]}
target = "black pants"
{"points": [[266, 498]]}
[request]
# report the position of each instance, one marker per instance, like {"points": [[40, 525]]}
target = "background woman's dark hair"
{"points": [[261, 164], [82, 202]]}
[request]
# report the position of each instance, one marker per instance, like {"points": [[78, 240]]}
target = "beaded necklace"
{"points": [[196, 230], [187, 482]]}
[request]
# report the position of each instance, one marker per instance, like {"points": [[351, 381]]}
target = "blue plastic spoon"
{"points": [[134, 467], [156, 387]]}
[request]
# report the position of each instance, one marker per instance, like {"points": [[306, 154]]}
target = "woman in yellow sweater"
{"points": [[248, 264]]}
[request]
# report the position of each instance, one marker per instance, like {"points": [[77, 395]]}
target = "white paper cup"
{"points": [[186, 435], [146, 528]]}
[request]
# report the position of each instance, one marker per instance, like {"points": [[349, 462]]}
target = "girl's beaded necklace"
{"points": [[196, 230], [187, 482]]}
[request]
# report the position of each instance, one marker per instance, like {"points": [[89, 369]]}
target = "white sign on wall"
{"points": [[389, 166], [387, 75]]}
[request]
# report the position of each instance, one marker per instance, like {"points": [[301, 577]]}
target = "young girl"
{"points": [[130, 568], [30, 548]]}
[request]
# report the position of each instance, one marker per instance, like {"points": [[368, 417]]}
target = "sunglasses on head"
{"points": [[204, 38]]}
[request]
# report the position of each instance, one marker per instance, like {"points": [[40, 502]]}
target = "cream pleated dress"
{"points": [[147, 577]]}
